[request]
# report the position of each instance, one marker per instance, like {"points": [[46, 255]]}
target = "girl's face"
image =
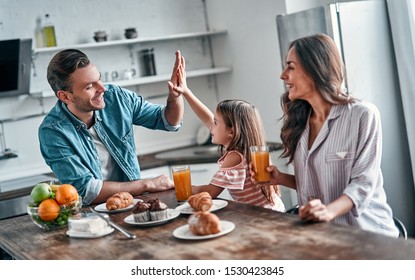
{"points": [[221, 134], [297, 82]]}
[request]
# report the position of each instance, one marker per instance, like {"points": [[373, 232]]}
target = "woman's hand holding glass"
{"points": [[269, 188]]}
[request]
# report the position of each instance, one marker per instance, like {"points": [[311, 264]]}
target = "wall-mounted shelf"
{"points": [[163, 78], [155, 79], [131, 41]]}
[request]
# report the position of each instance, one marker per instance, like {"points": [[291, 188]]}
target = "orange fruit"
{"points": [[48, 210], [66, 194]]}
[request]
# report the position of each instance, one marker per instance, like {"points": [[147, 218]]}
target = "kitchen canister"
{"points": [[147, 64], [131, 33]]}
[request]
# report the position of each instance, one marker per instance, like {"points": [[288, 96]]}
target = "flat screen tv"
{"points": [[15, 62]]}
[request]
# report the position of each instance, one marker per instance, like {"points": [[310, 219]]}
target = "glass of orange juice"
{"points": [[260, 162], [182, 182]]}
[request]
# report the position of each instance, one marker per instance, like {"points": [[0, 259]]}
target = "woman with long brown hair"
{"points": [[334, 141]]}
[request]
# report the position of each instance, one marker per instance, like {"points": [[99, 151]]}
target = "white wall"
{"points": [[252, 49], [300, 5], [75, 22]]}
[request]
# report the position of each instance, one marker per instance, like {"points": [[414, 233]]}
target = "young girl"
{"points": [[235, 126]]}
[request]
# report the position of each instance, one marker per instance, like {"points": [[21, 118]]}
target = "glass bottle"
{"points": [[148, 66], [49, 31], [39, 35]]}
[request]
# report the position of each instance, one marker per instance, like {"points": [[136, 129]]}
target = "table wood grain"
{"points": [[260, 234]]}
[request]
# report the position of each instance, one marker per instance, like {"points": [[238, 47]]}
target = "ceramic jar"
{"points": [[100, 36], [130, 33]]}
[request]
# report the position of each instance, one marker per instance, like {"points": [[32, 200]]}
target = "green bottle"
{"points": [[49, 31]]}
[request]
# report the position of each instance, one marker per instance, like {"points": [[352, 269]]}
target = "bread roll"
{"points": [[200, 201], [119, 200], [204, 223]]}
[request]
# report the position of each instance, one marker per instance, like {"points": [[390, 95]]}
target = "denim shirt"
{"points": [[69, 150]]}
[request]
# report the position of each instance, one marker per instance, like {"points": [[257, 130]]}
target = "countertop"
{"points": [[202, 154], [152, 160]]}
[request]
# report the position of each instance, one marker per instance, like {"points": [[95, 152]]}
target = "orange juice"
{"points": [[260, 162], [182, 182]]}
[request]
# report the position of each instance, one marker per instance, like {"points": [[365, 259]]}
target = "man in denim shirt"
{"points": [[87, 138]]}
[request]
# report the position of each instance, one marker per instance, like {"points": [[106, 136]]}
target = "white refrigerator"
{"points": [[362, 33]]}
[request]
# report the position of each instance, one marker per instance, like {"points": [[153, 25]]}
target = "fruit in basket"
{"points": [[49, 210], [41, 192], [66, 194], [49, 213]]}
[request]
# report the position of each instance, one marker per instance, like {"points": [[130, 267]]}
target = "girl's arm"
{"points": [[214, 191], [200, 109]]}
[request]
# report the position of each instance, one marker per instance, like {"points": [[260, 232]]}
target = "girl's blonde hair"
{"points": [[246, 123]]}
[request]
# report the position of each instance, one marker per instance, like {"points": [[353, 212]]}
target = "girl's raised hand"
{"points": [[181, 85]]}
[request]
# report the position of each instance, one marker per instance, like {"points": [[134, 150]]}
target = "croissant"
{"points": [[201, 201], [204, 223], [119, 200]]}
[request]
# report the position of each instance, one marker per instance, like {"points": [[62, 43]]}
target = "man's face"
{"points": [[87, 93]]}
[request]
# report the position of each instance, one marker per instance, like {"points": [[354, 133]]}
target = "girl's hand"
{"points": [[176, 66], [180, 87], [174, 80]]}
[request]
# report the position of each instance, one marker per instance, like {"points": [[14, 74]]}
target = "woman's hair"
{"points": [[246, 123], [321, 61], [62, 65]]}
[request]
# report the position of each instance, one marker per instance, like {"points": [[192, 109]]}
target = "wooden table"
{"points": [[259, 234]]}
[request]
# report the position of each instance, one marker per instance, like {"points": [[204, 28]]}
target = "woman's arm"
{"points": [[316, 211], [277, 177], [137, 187]]}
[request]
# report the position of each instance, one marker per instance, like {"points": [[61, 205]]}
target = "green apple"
{"points": [[41, 192]]}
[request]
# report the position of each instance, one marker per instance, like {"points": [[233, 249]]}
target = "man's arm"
{"points": [[160, 183], [175, 104], [200, 109]]}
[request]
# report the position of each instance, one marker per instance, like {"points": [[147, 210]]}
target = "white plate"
{"points": [[184, 232], [217, 204], [78, 234], [171, 214], [103, 207]]}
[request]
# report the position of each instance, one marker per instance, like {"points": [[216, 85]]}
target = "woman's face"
{"points": [[298, 84]]}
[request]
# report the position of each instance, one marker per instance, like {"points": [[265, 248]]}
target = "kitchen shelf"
{"points": [[131, 41], [166, 77], [156, 79]]}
